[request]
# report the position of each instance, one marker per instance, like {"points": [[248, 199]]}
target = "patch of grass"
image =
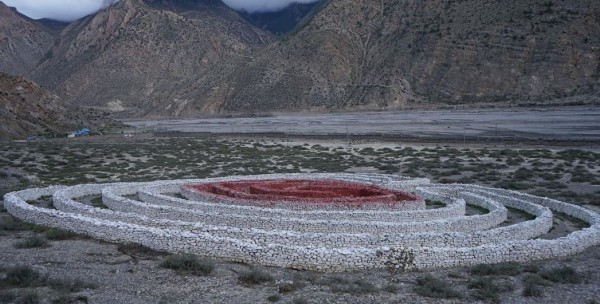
{"points": [[97, 202], [188, 263], [69, 285], [59, 234], [480, 210], [531, 285], [510, 185], [509, 269], [300, 301], [40, 201], [531, 268], [35, 241], [255, 277], [391, 288], [580, 224], [29, 297], [69, 299], [21, 276], [564, 274], [431, 287], [488, 289], [11, 223], [139, 251], [274, 298], [291, 287], [7, 296], [521, 213], [434, 204]]}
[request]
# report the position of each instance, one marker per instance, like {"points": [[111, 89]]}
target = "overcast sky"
{"points": [[69, 10]]}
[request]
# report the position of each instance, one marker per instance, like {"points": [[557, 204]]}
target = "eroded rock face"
{"points": [[393, 53], [23, 42], [146, 54]]}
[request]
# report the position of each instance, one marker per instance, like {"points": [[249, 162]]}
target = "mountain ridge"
{"points": [[102, 60], [395, 54], [167, 58], [23, 43]]}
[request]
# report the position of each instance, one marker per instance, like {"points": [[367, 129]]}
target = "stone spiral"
{"points": [[403, 235]]}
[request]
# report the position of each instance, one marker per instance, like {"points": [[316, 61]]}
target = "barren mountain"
{"points": [[138, 57], [283, 21], [23, 42], [150, 58], [390, 53], [28, 109]]}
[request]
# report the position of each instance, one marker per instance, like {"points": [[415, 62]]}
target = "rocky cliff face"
{"points": [[27, 109], [23, 42], [169, 58], [392, 53], [139, 57]]}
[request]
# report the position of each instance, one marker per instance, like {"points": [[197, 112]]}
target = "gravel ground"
{"points": [[130, 274]]}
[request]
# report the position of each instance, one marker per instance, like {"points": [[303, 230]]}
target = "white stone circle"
{"points": [[321, 240]]}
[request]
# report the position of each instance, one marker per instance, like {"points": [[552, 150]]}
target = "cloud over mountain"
{"points": [[62, 10], [69, 10]]}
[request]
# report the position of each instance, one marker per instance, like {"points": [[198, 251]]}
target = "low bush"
{"points": [[391, 288], [98, 203], [431, 287], [21, 276], [69, 299], [7, 296], [488, 289], [274, 298], [188, 263], [531, 285], [254, 277], [290, 287], [564, 274], [59, 234], [35, 241], [30, 297], [11, 223]]}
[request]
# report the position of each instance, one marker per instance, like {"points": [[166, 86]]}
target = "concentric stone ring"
{"points": [[269, 232]]}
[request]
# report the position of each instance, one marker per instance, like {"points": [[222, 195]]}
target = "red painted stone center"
{"points": [[303, 192]]}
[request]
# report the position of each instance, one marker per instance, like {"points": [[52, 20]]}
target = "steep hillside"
{"points": [[139, 57], [281, 22], [392, 53], [27, 109], [23, 42]]}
